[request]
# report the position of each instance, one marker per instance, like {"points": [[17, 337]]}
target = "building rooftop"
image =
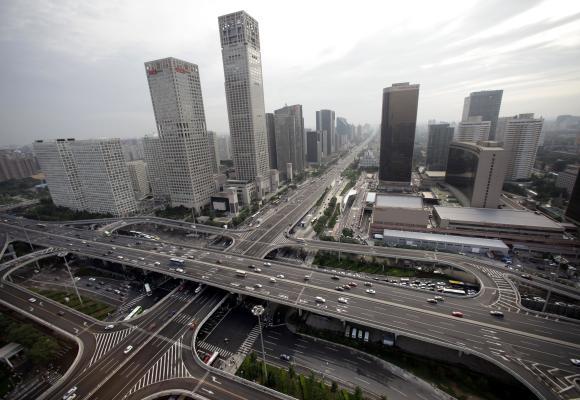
{"points": [[435, 174], [435, 237], [371, 197], [387, 200], [493, 216]]}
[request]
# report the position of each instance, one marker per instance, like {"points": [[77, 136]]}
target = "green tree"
{"points": [[334, 387], [358, 394]]}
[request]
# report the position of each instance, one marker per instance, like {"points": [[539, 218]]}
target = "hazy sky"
{"points": [[75, 68]]}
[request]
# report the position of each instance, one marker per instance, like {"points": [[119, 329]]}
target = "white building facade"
{"points": [[138, 175], [473, 129]]}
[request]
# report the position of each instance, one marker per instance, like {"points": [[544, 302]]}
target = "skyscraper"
{"points": [[472, 129], [440, 137], [213, 153], [343, 133], [313, 147], [475, 173], [520, 136], [138, 174], [289, 127], [179, 114], [485, 104], [325, 123], [573, 210], [271, 131], [240, 42], [399, 117], [156, 172]]}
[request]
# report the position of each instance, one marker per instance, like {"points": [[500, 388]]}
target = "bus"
{"points": [[241, 273], [213, 357], [454, 291], [147, 289], [176, 262], [136, 311]]}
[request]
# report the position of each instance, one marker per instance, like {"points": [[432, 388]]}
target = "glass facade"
{"points": [[573, 210], [462, 170]]}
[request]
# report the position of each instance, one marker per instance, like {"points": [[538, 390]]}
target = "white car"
{"points": [[319, 299], [32, 300], [109, 327], [273, 280], [69, 393], [343, 300], [258, 270], [128, 349], [370, 291], [575, 361], [157, 263], [92, 279], [181, 270], [258, 285], [267, 264], [280, 276]]}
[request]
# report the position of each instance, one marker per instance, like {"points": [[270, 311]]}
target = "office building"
{"points": [[138, 175], [325, 123], [17, 165], [399, 210], [520, 136], [274, 180], [567, 178], [240, 43], [343, 133], [399, 117], [60, 171], [473, 129], [104, 177], [132, 149], [475, 173], [368, 160], [440, 137], [213, 152], [573, 210], [485, 104], [223, 145], [314, 147], [153, 156], [178, 107], [271, 131], [289, 127]]}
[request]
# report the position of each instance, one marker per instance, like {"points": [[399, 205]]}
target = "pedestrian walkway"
{"points": [[106, 341], [213, 348]]}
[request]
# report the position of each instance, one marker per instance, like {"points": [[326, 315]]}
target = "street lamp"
{"points": [[63, 255], [258, 311]]}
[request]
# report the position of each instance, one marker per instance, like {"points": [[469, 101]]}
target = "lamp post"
{"points": [[63, 255], [258, 311]]}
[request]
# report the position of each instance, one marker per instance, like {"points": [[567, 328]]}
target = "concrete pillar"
{"points": [[300, 312]]}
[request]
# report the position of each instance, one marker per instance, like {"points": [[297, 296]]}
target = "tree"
{"points": [[358, 394], [334, 387]]}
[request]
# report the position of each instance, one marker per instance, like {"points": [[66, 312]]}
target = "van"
{"points": [[360, 334], [353, 333], [366, 337], [347, 331]]}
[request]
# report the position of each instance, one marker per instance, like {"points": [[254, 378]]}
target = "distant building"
{"points": [[368, 160], [274, 180], [485, 104], [289, 126], [567, 178], [17, 165], [473, 129], [153, 155], [214, 157], [475, 173], [439, 139], [520, 136], [325, 123], [179, 113], [242, 61], [132, 149], [313, 147], [343, 132], [399, 118], [398, 210], [226, 202], [138, 175], [223, 147], [573, 210], [271, 131]]}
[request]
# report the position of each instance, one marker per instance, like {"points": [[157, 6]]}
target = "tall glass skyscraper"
{"points": [[485, 104], [440, 137], [399, 118], [240, 41], [326, 123]]}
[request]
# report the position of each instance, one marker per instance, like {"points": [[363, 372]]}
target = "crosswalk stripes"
{"points": [[507, 298], [183, 319], [106, 341], [213, 348], [169, 366], [129, 305], [250, 340], [559, 380]]}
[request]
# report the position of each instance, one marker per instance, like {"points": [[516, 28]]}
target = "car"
{"points": [[368, 284], [439, 298], [32, 300], [370, 291], [335, 277], [496, 313], [343, 300], [527, 276], [319, 299], [285, 357], [258, 285], [267, 264], [273, 280], [457, 314], [157, 263], [141, 258], [352, 284], [280, 276], [180, 270], [217, 261], [69, 393], [346, 287], [432, 301], [339, 288], [575, 361], [306, 277], [120, 257], [251, 266], [258, 270], [60, 313], [128, 349]]}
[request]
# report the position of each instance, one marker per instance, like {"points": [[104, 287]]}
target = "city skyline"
{"points": [[97, 81]]}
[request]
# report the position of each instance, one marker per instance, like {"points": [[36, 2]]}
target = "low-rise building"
{"points": [[398, 210]]}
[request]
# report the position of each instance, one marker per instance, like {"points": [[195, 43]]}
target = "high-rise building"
{"points": [[240, 43], [223, 144], [213, 152], [314, 147], [60, 170], [153, 156], [132, 149], [485, 104], [179, 114], [343, 133], [573, 210], [440, 137], [271, 131], [104, 177], [138, 175], [520, 136], [17, 165], [289, 127], [473, 129], [325, 123], [475, 173], [567, 178], [399, 118]]}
